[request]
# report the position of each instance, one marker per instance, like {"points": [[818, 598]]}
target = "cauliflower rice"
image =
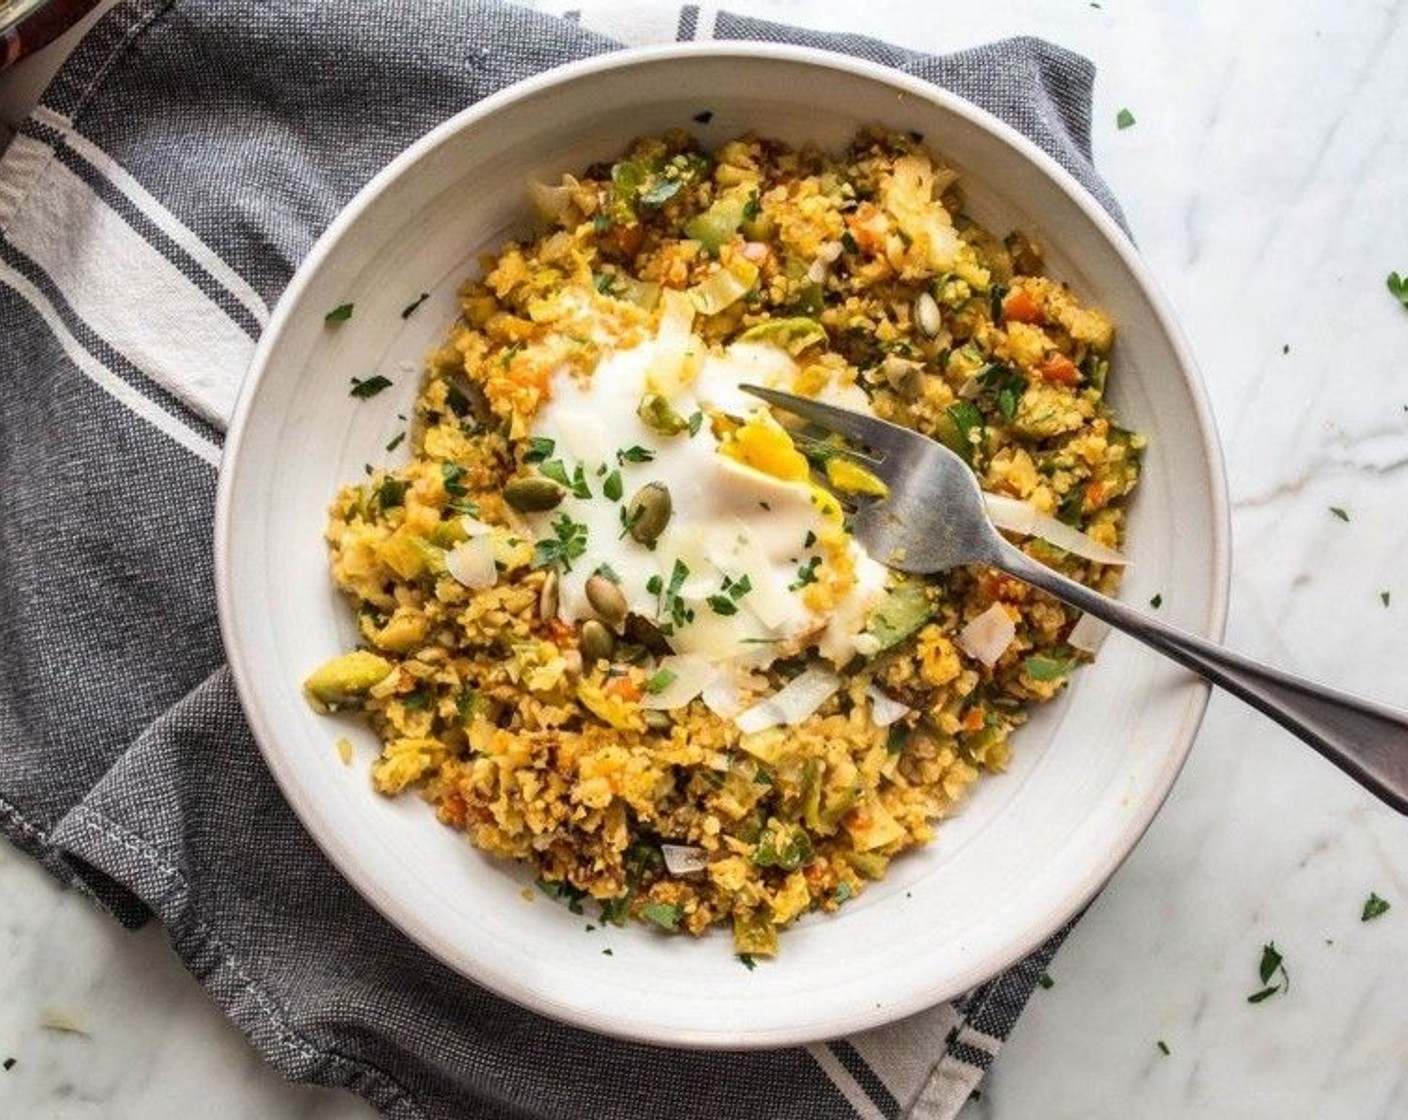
{"points": [[555, 730]]}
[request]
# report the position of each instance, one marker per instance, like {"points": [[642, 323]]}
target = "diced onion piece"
{"points": [[724, 287], [551, 202], [792, 703], [472, 563], [1017, 516], [684, 859], [687, 674], [1088, 634], [988, 636], [885, 710], [474, 527]]}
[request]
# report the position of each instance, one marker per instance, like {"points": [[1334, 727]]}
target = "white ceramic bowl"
{"points": [[1028, 850]]}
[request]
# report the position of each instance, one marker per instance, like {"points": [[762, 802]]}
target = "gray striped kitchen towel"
{"points": [[151, 209]]}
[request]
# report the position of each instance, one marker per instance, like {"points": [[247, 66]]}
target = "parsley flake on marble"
{"points": [[1339, 512], [1272, 964], [343, 311], [373, 385], [410, 308], [1384, 597], [1163, 1047], [1374, 907], [1398, 287], [1123, 119], [1045, 981]]}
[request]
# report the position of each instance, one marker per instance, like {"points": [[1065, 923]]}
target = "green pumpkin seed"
{"points": [[649, 512], [533, 495], [596, 642], [608, 601], [658, 415]]}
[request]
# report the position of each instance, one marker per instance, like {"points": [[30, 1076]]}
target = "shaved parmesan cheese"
{"points": [[472, 563], [792, 703], [684, 859], [1088, 634], [987, 637], [1017, 516], [687, 674], [885, 710]]}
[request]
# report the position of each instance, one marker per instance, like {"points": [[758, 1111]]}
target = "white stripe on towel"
{"points": [[160, 216], [104, 378], [130, 295]]}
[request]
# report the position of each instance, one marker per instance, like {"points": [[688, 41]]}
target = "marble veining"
{"points": [[1264, 180]]}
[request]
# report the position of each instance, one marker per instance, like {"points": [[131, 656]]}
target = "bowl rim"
{"points": [[342, 855]]}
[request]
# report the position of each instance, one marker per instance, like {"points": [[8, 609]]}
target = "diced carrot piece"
{"points": [[624, 687], [1019, 306], [973, 719], [1059, 370]]}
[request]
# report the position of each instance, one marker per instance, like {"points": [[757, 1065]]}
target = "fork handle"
{"points": [[1365, 739]]}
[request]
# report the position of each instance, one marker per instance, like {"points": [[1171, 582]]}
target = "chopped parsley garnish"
{"points": [[410, 308], [695, 422], [968, 420], [509, 353], [671, 604], [395, 441], [806, 574], [655, 585], [1384, 597], [1163, 1047], [450, 474], [1046, 668], [722, 604], [1398, 287], [1374, 906], [809, 539], [568, 542], [1045, 981], [557, 471], [1271, 963], [607, 953], [606, 284], [745, 959], [849, 243], [703, 117], [615, 911], [391, 493], [666, 915], [1157, 601], [373, 385], [842, 892], [416, 701], [1124, 118], [9, 1064], [342, 312], [579, 483], [564, 892], [1340, 513], [539, 448], [660, 680], [634, 455], [611, 487], [895, 738]]}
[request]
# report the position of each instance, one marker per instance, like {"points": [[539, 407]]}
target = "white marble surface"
{"points": [[1264, 180]]}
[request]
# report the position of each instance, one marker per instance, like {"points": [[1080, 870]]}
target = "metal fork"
{"points": [[935, 519]]}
